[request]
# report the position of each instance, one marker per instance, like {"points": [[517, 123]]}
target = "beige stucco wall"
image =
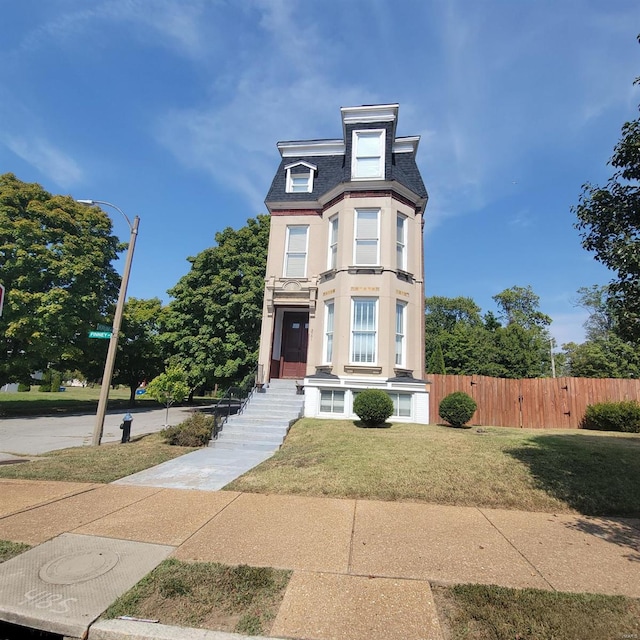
{"points": [[314, 291]]}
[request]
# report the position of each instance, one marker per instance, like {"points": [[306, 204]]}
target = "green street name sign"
{"points": [[100, 334]]}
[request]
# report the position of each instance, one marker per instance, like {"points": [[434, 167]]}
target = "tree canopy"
{"points": [[609, 223], [471, 344], [140, 356], [212, 327], [55, 263]]}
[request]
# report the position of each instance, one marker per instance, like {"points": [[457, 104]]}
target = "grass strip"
{"points": [[208, 595], [494, 467], [105, 463], [10, 549], [481, 612]]}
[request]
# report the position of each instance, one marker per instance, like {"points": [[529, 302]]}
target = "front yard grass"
{"points": [[239, 599], [530, 470], [105, 463], [10, 549]]}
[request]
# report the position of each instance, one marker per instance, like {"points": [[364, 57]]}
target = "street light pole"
{"points": [[117, 320]]}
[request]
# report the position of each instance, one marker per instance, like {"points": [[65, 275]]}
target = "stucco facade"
{"points": [[344, 288]]}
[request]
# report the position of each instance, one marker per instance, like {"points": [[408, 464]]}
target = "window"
{"points": [[295, 263], [401, 404], [300, 177], [331, 401], [367, 160], [401, 242], [366, 237], [400, 333], [364, 330], [328, 332], [333, 243]]}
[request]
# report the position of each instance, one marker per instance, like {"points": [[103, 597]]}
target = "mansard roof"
{"points": [[332, 157]]}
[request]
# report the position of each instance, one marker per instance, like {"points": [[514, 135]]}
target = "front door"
{"points": [[295, 338]]}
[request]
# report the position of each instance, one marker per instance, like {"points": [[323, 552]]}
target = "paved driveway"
{"points": [[35, 435]]}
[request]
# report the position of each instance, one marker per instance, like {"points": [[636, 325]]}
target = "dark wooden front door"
{"points": [[295, 339]]}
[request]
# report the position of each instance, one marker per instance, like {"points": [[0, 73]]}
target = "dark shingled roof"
{"points": [[332, 170]]}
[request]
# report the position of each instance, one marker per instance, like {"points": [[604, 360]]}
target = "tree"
{"points": [[55, 263], [212, 326], [604, 354], [609, 225], [473, 345], [168, 388], [604, 357], [442, 315], [139, 355], [436, 362], [519, 305]]}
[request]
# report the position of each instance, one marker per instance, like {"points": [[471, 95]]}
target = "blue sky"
{"points": [[171, 109]]}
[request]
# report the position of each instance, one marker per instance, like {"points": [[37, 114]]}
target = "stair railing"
{"points": [[236, 397]]}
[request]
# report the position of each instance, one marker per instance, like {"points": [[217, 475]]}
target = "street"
{"points": [[35, 435]]}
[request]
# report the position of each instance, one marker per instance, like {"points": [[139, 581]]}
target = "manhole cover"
{"points": [[78, 567]]}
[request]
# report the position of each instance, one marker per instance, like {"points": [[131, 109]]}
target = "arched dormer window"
{"points": [[300, 177]]}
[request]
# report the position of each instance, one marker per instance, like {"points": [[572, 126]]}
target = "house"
{"points": [[344, 288]]}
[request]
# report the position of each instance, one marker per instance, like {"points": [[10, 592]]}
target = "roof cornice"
{"points": [[369, 113], [304, 148]]}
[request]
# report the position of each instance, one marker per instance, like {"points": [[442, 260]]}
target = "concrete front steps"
{"points": [[265, 420]]}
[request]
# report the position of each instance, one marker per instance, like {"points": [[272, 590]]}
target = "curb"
{"points": [[133, 630]]}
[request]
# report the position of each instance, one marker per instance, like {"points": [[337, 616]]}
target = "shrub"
{"points": [[457, 408], [373, 407], [23, 388], [613, 416], [195, 431]]}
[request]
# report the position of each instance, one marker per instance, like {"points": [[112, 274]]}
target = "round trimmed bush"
{"points": [[373, 407], [457, 408]]}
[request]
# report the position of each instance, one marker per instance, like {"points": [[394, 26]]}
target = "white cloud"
{"points": [[51, 161]]}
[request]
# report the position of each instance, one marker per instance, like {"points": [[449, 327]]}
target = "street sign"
{"points": [[1, 297], [100, 334], [104, 327]]}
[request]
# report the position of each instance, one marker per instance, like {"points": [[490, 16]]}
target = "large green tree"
{"points": [[212, 326], [609, 225], [140, 353], [476, 345], [604, 354], [55, 263]]}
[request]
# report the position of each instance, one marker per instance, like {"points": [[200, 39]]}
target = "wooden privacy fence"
{"points": [[535, 403]]}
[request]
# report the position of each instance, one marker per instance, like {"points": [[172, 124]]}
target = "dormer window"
{"points": [[367, 161], [300, 177]]}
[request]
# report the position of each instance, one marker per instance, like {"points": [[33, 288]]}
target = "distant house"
{"points": [[344, 292]]}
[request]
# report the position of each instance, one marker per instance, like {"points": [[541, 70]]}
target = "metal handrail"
{"points": [[239, 393]]}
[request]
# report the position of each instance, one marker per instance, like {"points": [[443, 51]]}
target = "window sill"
{"points": [[359, 368], [362, 269]]}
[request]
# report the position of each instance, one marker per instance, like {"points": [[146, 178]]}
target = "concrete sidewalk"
{"points": [[362, 569]]}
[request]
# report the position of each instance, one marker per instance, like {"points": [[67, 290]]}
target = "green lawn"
{"points": [[531, 470], [105, 463], [73, 400]]}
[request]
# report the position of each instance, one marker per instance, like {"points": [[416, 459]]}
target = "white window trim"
{"points": [[328, 304], [355, 237], [333, 393], [401, 216], [354, 154], [403, 350], [334, 219], [309, 175], [375, 332], [396, 407], [287, 252]]}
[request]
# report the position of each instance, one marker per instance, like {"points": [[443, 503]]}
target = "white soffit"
{"points": [[304, 148]]}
